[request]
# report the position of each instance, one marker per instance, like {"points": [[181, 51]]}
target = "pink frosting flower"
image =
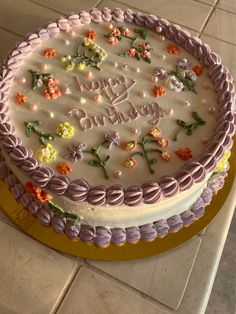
{"points": [[131, 52], [115, 32], [113, 41], [127, 32]]}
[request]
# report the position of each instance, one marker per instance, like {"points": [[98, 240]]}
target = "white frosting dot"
{"points": [[137, 70], [143, 94], [82, 100], [203, 101], [97, 98], [67, 90], [33, 107], [163, 57], [110, 26], [159, 29], [117, 174], [155, 79], [22, 80], [115, 64], [169, 111], [51, 114], [43, 66], [72, 33], [66, 42], [134, 130], [187, 103], [161, 38], [89, 74], [125, 66]]}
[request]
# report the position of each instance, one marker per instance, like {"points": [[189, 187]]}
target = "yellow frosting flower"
{"points": [[81, 66], [70, 67], [223, 162], [46, 153], [65, 130]]}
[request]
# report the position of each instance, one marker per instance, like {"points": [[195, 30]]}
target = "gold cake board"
{"points": [[31, 226]]}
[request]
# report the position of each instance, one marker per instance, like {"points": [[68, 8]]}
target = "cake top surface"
{"points": [[110, 103]]}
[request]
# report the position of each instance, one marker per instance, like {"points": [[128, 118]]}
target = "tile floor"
{"points": [[36, 279]]}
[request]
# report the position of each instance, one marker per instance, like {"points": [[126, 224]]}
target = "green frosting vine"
{"points": [[32, 127], [189, 127], [146, 151], [60, 212]]}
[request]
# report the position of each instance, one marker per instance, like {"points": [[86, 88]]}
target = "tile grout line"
{"points": [[46, 7], [125, 285], [65, 290], [11, 32], [209, 17]]}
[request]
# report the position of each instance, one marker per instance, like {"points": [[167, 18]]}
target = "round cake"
{"points": [[115, 126]]}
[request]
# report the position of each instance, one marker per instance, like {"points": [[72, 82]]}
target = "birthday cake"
{"points": [[115, 126]]}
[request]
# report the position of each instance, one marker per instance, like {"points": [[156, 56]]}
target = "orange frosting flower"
{"points": [[155, 132], [173, 49], [49, 53], [159, 91], [91, 35], [129, 163], [163, 142], [20, 99], [198, 70], [129, 146], [184, 153], [63, 168], [38, 193], [166, 155]]}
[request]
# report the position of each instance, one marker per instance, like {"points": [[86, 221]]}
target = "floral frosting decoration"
{"points": [[198, 70], [91, 35], [75, 152], [142, 51], [184, 153], [52, 91], [63, 168], [159, 91], [39, 194], [49, 53], [20, 99], [88, 54], [189, 127], [31, 128], [65, 130], [46, 153], [223, 162], [173, 49]]}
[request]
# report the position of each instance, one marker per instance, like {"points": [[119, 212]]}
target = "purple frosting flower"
{"points": [[189, 74], [75, 152], [183, 63], [160, 73], [112, 138]]}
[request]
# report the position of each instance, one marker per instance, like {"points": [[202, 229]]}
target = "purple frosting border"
{"points": [[103, 236], [150, 192]]}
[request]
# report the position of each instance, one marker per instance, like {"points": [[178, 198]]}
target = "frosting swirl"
{"points": [[118, 236], [103, 237], [72, 229], [42, 176], [97, 195], [169, 186], [58, 223], [19, 154], [10, 142], [133, 196], [78, 190], [115, 195], [151, 192], [59, 184], [148, 232]]}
